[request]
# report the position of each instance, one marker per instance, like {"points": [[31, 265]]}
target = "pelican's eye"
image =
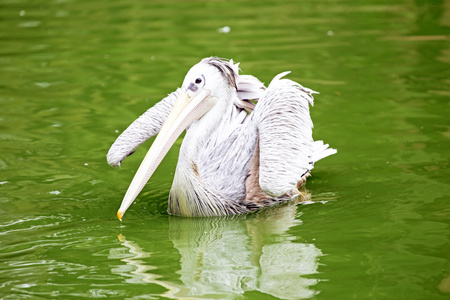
{"points": [[194, 86]]}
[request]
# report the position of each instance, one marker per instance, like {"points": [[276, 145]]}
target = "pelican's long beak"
{"points": [[185, 111]]}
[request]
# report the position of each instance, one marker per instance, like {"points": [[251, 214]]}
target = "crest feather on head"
{"points": [[248, 87]]}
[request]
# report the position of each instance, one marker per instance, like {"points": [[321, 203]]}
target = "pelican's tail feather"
{"points": [[321, 150]]}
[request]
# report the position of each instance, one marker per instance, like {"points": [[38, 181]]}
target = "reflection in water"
{"points": [[229, 256], [136, 270]]}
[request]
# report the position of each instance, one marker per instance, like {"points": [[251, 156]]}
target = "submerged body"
{"points": [[236, 156]]}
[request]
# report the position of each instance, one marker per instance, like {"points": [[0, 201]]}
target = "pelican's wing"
{"points": [[143, 128], [285, 135]]}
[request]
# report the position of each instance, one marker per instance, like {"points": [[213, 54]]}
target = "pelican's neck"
{"points": [[210, 157], [209, 127]]}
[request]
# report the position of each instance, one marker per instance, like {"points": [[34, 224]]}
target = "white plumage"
{"points": [[236, 156]]}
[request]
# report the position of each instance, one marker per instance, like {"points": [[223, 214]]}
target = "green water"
{"points": [[74, 74]]}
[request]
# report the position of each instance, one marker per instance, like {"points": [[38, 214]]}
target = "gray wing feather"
{"points": [[143, 128], [285, 135]]}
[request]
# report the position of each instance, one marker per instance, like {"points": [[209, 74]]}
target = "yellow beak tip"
{"points": [[119, 215]]}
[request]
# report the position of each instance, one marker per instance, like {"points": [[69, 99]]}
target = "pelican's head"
{"points": [[222, 80], [217, 76], [207, 83]]}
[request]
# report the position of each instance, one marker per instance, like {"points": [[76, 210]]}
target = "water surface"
{"points": [[74, 74]]}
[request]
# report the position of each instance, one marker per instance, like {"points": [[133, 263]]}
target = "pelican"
{"points": [[246, 146]]}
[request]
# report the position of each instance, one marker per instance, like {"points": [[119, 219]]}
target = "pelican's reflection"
{"points": [[223, 257]]}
